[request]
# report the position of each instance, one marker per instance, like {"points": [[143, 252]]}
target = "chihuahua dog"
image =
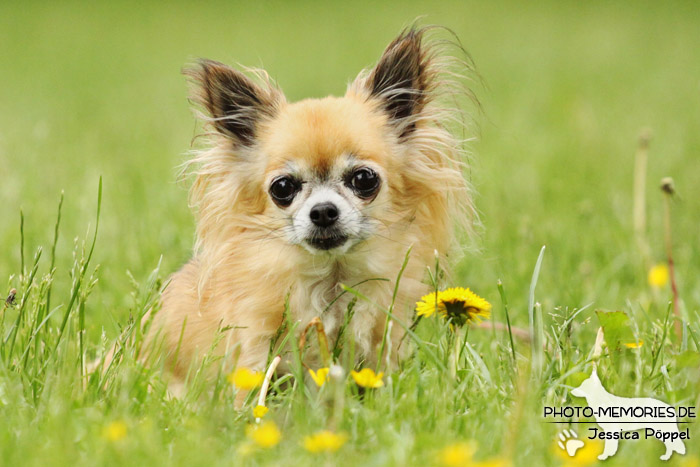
{"points": [[295, 200]]}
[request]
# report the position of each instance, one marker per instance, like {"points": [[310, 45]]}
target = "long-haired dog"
{"points": [[293, 200]]}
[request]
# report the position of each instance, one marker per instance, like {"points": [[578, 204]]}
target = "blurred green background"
{"points": [[90, 89]]}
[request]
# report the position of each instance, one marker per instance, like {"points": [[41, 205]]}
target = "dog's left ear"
{"points": [[402, 80]]}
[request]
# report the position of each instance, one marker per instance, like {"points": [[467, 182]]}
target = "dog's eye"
{"points": [[364, 182], [283, 189]]}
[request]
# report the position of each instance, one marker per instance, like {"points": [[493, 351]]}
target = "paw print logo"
{"points": [[569, 442]]}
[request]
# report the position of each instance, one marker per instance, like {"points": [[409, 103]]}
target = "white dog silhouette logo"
{"points": [[619, 415]]}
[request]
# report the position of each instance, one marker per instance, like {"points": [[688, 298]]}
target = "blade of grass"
{"points": [[23, 304], [21, 242], [53, 250], [391, 307], [663, 339], [536, 349], [83, 269], [413, 335], [504, 300]]}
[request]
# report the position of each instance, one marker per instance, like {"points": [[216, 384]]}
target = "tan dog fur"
{"points": [[244, 267]]}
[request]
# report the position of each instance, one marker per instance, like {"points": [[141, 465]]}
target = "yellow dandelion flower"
{"points": [[265, 435], [456, 305], [259, 411], [658, 276], [115, 431], [367, 378], [457, 455], [245, 378], [428, 304], [634, 345], [324, 441], [319, 376]]}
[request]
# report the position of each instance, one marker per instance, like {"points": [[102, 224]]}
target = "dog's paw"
{"points": [[569, 442]]}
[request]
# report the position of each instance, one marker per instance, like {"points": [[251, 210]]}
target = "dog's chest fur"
{"points": [[320, 294]]}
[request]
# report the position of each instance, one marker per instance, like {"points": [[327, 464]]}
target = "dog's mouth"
{"points": [[322, 240]]}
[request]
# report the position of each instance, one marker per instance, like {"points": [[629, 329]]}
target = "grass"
{"points": [[92, 90]]}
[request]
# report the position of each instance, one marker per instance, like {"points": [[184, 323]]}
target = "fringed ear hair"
{"points": [[235, 103], [402, 79]]}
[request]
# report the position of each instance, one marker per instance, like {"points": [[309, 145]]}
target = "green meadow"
{"points": [[92, 91]]}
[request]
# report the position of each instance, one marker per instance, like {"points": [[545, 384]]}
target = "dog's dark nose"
{"points": [[324, 214]]}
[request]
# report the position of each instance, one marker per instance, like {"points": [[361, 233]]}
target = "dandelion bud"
{"points": [[644, 138], [667, 186]]}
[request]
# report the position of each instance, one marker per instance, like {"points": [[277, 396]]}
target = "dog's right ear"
{"points": [[236, 105]]}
